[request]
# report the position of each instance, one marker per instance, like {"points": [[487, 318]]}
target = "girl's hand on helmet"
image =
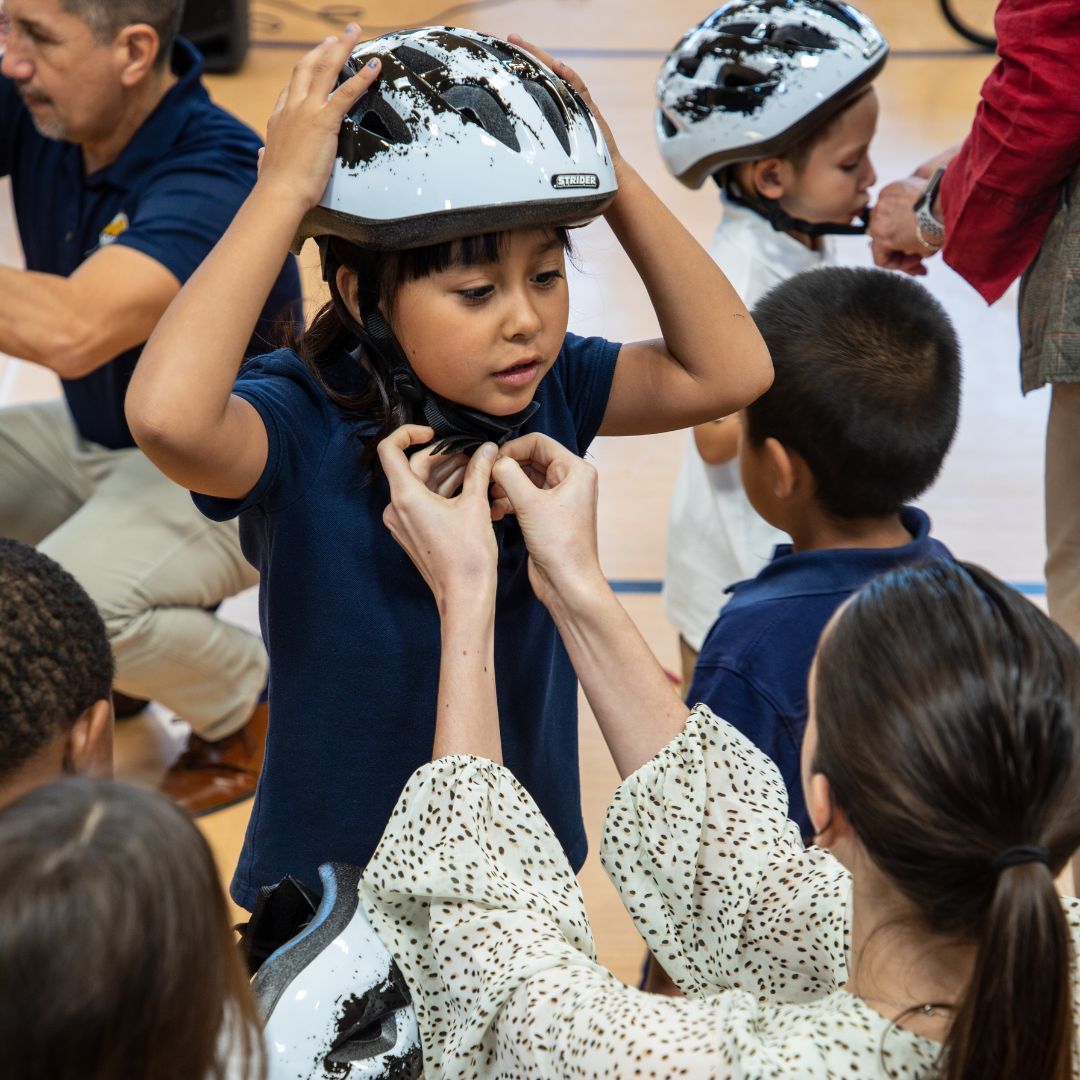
{"points": [[302, 133], [450, 541], [564, 71], [552, 492]]}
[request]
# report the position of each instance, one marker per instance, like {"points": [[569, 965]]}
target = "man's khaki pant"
{"points": [[1063, 507], [150, 561]]}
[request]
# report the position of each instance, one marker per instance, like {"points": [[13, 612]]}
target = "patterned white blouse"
{"points": [[471, 892]]}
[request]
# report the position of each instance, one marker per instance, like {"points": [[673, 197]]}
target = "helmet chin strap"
{"points": [[782, 221], [458, 429]]}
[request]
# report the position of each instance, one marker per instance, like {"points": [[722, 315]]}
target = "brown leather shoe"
{"points": [[209, 776]]}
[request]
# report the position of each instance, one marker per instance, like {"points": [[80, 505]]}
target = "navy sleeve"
{"points": [[586, 369], [184, 209], [294, 410]]}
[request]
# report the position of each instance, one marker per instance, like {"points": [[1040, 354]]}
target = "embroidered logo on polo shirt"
{"points": [[118, 225]]}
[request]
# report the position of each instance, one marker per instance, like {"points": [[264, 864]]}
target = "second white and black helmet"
{"points": [[757, 75], [461, 134]]}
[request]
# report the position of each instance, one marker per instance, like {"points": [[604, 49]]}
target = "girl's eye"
{"points": [[849, 166], [481, 292], [548, 278]]}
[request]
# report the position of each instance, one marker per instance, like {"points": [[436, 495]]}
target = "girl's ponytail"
{"points": [[1015, 1020]]}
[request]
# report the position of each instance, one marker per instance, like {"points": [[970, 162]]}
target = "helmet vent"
{"points": [[738, 77], [418, 62], [688, 65], [480, 106], [551, 109], [801, 37], [379, 118], [371, 121]]}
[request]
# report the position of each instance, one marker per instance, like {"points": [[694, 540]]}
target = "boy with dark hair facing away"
{"points": [[859, 418], [56, 672]]}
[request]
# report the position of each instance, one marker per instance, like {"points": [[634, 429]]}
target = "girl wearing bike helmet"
{"points": [[922, 936], [774, 102], [455, 164]]}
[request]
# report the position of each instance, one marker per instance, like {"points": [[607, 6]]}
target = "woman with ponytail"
{"points": [[920, 937], [944, 765]]}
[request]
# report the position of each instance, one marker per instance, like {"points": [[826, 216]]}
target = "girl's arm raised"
{"points": [[179, 406], [711, 360]]}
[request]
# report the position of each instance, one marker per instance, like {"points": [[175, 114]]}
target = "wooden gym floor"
{"points": [[987, 505]]}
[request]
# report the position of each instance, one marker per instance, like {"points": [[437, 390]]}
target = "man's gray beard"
{"points": [[54, 130]]}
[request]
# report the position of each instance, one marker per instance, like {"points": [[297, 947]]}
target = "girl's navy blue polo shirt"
{"points": [[353, 632], [170, 194]]}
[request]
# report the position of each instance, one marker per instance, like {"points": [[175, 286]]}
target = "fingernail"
{"points": [[373, 63], [351, 28], [490, 451]]}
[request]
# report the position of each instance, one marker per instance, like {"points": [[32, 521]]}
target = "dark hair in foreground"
{"points": [[55, 660], [116, 957], [866, 387], [948, 714], [374, 404], [106, 18]]}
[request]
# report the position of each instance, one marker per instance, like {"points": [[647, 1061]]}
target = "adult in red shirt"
{"points": [[1008, 204]]}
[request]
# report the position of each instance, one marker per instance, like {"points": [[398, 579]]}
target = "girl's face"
{"points": [[484, 335], [834, 183]]}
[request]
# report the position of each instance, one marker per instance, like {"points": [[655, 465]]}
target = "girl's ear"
{"points": [[768, 176], [346, 287]]}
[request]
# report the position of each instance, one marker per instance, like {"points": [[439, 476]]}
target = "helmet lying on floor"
{"points": [[335, 1003]]}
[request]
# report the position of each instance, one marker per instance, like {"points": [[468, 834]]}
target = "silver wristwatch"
{"points": [[930, 231]]}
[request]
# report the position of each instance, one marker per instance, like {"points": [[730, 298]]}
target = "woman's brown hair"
{"points": [[948, 712], [116, 957]]}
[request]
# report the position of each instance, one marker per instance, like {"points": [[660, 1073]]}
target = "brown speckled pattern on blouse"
{"points": [[471, 892]]}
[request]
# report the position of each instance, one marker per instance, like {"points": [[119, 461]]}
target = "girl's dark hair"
{"points": [[373, 404], [948, 714], [116, 957]]}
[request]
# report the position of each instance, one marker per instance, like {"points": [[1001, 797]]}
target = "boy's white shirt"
{"points": [[714, 536]]}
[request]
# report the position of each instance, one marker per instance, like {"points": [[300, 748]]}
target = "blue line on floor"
{"points": [[631, 585]]}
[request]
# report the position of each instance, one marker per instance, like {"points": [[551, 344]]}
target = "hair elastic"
{"points": [[1021, 853]]}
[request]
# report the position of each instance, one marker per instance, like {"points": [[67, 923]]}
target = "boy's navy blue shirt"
{"points": [[170, 194], [353, 632], [753, 666]]}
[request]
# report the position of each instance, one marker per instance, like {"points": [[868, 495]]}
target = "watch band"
{"points": [[930, 231]]}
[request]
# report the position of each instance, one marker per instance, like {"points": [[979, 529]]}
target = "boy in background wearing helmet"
{"points": [[449, 307], [774, 102]]}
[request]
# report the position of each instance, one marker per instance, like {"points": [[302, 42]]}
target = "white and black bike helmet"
{"points": [[335, 1003], [461, 134], [757, 75]]}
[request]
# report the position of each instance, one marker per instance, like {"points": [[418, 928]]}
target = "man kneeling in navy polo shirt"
{"points": [[124, 175], [862, 410]]}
